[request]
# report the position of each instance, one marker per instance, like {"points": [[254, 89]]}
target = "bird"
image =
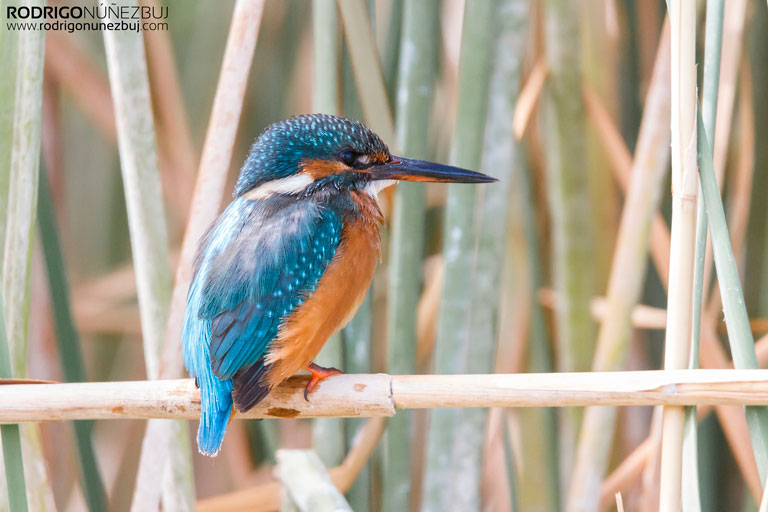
{"points": [[289, 261]]}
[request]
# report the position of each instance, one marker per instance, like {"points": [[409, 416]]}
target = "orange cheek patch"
{"points": [[322, 168]]}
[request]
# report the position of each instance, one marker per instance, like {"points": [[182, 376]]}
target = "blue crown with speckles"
{"points": [[279, 151]]}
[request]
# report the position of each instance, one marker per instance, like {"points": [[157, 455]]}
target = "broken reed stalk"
{"points": [[626, 280], [206, 202], [685, 189], [267, 496], [369, 395], [415, 85], [306, 485]]}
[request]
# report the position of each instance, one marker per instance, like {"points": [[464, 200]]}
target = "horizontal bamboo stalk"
{"points": [[364, 395]]}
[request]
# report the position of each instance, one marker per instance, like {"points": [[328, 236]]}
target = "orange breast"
{"points": [[337, 297]]}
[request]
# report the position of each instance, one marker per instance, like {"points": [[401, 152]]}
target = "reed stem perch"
{"points": [[363, 395]]}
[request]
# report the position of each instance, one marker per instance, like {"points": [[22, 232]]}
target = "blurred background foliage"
{"points": [[549, 97]]}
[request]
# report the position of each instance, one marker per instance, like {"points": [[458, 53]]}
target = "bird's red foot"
{"points": [[318, 373]]}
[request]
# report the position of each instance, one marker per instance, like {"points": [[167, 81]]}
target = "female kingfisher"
{"points": [[289, 261]]}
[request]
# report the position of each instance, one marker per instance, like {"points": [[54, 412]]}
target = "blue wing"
{"points": [[259, 262]]}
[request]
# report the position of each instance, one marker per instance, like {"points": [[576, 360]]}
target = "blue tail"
{"points": [[216, 398], [215, 394]]}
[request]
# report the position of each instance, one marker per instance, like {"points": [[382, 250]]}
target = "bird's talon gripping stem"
{"points": [[318, 373]]}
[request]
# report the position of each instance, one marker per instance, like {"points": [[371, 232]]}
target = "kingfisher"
{"points": [[289, 261]]}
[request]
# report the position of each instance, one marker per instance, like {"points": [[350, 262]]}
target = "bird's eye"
{"points": [[348, 157]]}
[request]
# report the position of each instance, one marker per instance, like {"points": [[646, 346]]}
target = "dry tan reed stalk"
{"points": [[626, 278], [206, 202], [368, 75], [77, 75], [174, 136], [650, 479], [730, 417], [621, 163], [529, 98], [267, 496], [643, 316], [685, 188], [626, 474], [429, 304], [367, 395], [89, 87], [740, 193]]}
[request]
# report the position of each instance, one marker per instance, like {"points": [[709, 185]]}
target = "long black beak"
{"points": [[407, 169]]}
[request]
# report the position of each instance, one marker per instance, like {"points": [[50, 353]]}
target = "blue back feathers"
{"points": [[278, 152], [258, 262]]}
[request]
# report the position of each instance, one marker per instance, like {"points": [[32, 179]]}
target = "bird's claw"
{"points": [[318, 373]]}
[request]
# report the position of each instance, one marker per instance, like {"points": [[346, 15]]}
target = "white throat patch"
{"points": [[373, 188], [290, 185]]}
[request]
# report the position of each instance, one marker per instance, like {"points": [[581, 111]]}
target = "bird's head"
{"points": [[310, 153]]}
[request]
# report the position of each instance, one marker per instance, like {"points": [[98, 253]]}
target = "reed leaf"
{"points": [[10, 437], [691, 495], [455, 438], [19, 181], [737, 321], [129, 82], [70, 351]]}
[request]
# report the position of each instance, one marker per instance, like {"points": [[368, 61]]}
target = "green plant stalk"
{"points": [[327, 433], [455, 437], [501, 158], [19, 170], [569, 206], [11, 440], [146, 222], [415, 84], [691, 494], [736, 319], [538, 426], [356, 342], [70, 351]]}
